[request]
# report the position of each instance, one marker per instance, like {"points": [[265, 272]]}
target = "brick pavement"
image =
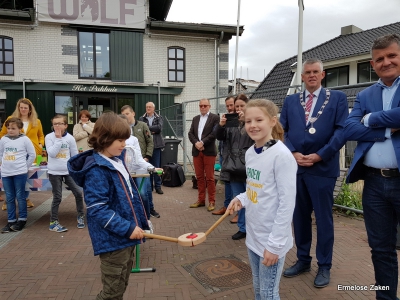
{"points": [[39, 264]]}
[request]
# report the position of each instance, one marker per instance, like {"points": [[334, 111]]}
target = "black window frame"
{"points": [[176, 59], [3, 62], [94, 56], [371, 70], [336, 68]]}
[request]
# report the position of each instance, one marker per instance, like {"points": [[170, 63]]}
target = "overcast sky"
{"points": [[270, 34]]}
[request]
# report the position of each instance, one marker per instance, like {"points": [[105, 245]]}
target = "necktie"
{"points": [[308, 105]]}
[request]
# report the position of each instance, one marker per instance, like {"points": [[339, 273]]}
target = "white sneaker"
{"points": [[150, 226]]}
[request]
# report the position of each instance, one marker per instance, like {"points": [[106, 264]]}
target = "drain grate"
{"points": [[221, 273]]}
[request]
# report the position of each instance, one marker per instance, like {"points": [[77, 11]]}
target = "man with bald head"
{"points": [[204, 151], [155, 123]]}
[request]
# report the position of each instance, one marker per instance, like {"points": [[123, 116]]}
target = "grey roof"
{"points": [[275, 84]]}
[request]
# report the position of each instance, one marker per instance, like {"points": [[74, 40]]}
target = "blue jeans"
{"points": [[156, 162], [143, 193], [228, 193], [238, 188], [381, 205], [265, 279], [14, 187], [228, 188]]}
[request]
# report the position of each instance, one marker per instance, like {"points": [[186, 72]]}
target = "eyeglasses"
{"points": [[203, 106], [58, 124]]}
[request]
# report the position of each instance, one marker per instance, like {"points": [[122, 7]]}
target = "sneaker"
{"points": [[57, 227], [151, 230], [7, 228], [239, 235], [154, 214], [29, 203], [18, 226], [81, 222]]}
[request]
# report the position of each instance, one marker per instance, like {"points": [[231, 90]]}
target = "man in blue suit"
{"points": [[374, 123], [313, 122]]}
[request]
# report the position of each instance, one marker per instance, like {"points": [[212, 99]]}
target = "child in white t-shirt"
{"points": [[18, 154], [269, 198], [61, 146]]}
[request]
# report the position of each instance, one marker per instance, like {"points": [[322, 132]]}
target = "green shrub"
{"points": [[349, 198]]}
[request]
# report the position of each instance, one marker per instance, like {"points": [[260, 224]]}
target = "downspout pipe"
{"points": [[217, 85]]}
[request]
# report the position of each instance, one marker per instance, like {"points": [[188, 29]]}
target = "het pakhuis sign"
{"points": [[94, 88]]}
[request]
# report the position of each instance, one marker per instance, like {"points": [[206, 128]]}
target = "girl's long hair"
{"points": [[32, 116], [270, 110]]}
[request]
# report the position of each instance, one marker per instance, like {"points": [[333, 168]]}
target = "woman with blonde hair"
{"points": [[83, 130], [25, 111]]}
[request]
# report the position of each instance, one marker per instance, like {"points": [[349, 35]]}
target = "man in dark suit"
{"points": [[374, 123], [313, 122], [204, 151]]}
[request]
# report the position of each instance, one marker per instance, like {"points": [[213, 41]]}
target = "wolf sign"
{"points": [[110, 13]]}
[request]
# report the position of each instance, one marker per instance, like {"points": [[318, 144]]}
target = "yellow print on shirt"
{"points": [[252, 195], [62, 154], [256, 185], [9, 153]]}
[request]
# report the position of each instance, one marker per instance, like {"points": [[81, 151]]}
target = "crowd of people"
{"points": [[277, 171], [299, 155]]}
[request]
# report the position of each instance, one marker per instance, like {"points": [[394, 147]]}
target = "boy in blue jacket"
{"points": [[115, 213]]}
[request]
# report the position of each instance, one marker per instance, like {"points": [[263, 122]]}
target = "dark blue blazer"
{"points": [[370, 101], [328, 139]]}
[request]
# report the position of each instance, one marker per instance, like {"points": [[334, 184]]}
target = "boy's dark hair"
{"points": [[125, 107], [17, 122], [108, 128], [59, 116]]}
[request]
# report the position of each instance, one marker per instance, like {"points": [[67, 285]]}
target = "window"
{"points": [[94, 55], [365, 73], [336, 77], [6, 56], [3, 116], [176, 64]]}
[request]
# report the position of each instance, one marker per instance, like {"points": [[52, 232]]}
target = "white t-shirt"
{"points": [[17, 155], [117, 163], [59, 151], [270, 199]]}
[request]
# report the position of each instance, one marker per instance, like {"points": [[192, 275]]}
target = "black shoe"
{"points": [[298, 268], [159, 191], [154, 214], [239, 235], [7, 228], [18, 226], [322, 279]]}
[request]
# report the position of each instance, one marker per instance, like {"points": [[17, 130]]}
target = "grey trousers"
{"points": [[115, 268], [56, 183]]}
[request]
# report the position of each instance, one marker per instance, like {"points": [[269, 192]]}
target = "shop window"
{"points": [[336, 77], [365, 73], [94, 55], [176, 64], [6, 56], [3, 115]]}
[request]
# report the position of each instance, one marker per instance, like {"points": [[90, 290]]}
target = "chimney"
{"points": [[350, 29]]}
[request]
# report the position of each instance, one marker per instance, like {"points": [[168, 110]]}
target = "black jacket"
{"points": [[234, 138], [155, 129]]}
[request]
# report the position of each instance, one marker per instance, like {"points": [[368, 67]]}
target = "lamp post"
{"points": [[237, 46], [300, 45]]}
